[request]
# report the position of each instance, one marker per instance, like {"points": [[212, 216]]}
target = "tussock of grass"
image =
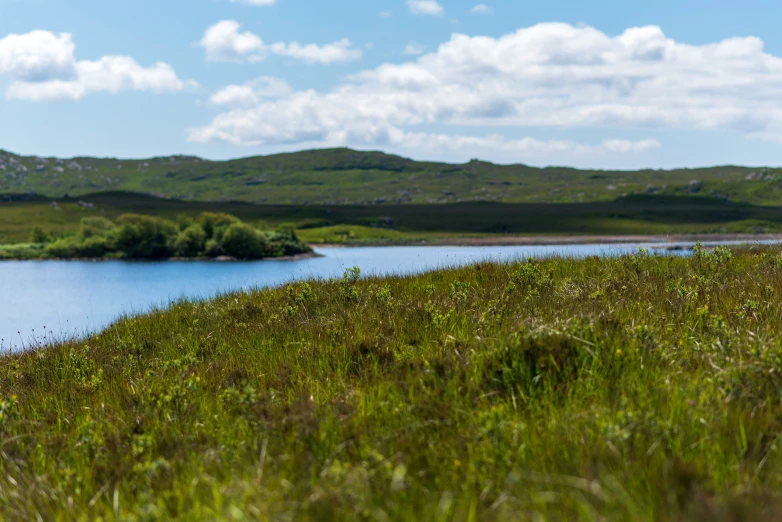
{"points": [[638, 388]]}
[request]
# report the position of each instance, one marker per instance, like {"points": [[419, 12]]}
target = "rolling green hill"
{"points": [[344, 176]]}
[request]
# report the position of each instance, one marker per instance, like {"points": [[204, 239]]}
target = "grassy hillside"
{"points": [[632, 389], [343, 176], [367, 223]]}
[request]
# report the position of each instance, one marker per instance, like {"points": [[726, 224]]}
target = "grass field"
{"points": [[402, 223], [343, 176], [632, 389]]}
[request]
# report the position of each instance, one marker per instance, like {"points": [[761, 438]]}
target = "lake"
{"points": [[46, 300]]}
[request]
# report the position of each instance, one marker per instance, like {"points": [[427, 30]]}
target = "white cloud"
{"points": [[254, 2], [43, 67], [549, 75], [482, 9], [37, 55], [415, 48], [251, 93], [425, 7], [528, 146], [224, 42], [339, 51]]}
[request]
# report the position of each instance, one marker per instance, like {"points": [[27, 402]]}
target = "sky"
{"points": [[599, 84]]}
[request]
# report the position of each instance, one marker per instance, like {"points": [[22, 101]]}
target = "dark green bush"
{"points": [[215, 224], [136, 236], [184, 221], [190, 242], [213, 249], [144, 237], [243, 242], [287, 243], [39, 235]]}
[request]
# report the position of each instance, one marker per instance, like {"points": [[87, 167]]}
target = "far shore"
{"points": [[562, 240], [221, 259]]}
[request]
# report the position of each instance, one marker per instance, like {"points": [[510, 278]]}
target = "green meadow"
{"points": [[637, 388], [405, 223]]}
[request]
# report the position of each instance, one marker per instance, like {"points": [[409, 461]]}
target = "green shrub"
{"points": [[136, 236], [144, 237], [76, 247], [243, 242], [285, 242], [215, 224], [190, 242], [39, 235], [184, 222], [213, 249], [95, 226]]}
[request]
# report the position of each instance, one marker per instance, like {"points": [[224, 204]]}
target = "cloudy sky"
{"points": [[606, 83]]}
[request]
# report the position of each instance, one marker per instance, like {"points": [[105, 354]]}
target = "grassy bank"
{"points": [[658, 215], [640, 388]]}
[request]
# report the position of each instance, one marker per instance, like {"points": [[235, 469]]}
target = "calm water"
{"points": [[59, 299]]}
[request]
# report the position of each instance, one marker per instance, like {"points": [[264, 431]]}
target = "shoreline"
{"points": [[561, 240], [221, 259], [486, 241]]}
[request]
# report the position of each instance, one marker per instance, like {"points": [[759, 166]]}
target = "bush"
{"points": [[184, 222], [215, 224], [95, 227], [144, 237], [213, 249], [39, 235], [76, 247], [287, 243], [243, 242], [190, 242]]}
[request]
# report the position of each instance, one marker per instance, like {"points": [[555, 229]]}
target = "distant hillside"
{"points": [[344, 176]]}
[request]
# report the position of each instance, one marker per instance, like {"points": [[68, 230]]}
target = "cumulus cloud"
{"points": [[224, 42], [548, 75], [251, 93], [38, 55], [425, 7], [43, 67]]}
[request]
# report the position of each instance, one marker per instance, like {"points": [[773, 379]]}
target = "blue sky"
{"points": [[597, 84]]}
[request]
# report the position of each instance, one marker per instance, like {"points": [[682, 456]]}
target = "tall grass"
{"points": [[637, 388]]}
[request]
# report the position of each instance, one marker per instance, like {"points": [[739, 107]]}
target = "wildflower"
{"points": [[457, 463], [618, 352]]}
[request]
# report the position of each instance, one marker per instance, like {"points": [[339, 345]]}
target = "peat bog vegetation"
{"points": [[636, 388]]}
